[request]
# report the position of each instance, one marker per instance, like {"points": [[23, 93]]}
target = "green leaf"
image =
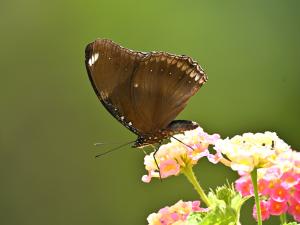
{"points": [[291, 223], [196, 218], [225, 210]]}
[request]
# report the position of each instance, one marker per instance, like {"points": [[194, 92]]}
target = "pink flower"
{"points": [[279, 193], [277, 208], [263, 187], [264, 206], [270, 174], [175, 156], [294, 209], [296, 195], [297, 186], [151, 173], [289, 179], [198, 152], [244, 185], [215, 158], [176, 214], [168, 168], [196, 206]]}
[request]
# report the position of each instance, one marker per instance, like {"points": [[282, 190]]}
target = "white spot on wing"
{"points": [[90, 61], [93, 59], [96, 56], [197, 77]]}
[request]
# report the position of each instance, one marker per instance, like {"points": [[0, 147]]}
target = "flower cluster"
{"points": [[276, 164], [176, 155], [176, 214], [249, 151], [278, 186]]}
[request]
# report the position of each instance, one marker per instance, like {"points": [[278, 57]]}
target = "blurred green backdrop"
{"points": [[50, 116]]}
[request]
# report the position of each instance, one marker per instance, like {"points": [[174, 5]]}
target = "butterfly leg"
{"points": [[155, 151]]}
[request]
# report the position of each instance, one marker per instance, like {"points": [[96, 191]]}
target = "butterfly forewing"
{"points": [[144, 91], [110, 75]]}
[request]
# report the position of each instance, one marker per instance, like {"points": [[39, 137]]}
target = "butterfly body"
{"points": [[143, 91], [175, 127]]}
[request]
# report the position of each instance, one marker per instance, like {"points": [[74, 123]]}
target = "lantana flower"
{"points": [[278, 185], [175, 156], [288, 161], [249, 151], [279, 194], [244, 185], [176, 214], [264, 205], [294, 209], [277, 208]]}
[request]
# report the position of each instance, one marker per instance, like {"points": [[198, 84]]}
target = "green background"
{"points": [[50, 116]]}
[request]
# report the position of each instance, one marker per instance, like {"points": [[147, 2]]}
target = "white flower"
{"points": [[249, 151]]}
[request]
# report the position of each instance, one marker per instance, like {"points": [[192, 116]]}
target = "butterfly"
{"points": [[144, 91]]}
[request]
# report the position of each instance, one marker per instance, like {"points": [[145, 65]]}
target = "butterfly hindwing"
{"points": [[162, 85]]}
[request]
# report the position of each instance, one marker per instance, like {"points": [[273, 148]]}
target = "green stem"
{"points": [[282, 218], [257, 202], [190, 175]]}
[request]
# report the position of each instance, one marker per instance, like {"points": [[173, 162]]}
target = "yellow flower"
{"points": [[249, 151]]}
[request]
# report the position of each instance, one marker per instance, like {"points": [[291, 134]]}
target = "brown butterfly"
{"points": [[143, 91]]}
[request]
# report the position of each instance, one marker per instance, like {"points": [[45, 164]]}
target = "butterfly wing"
{"points": [[143, 91], [110, 68], [162, 85]]}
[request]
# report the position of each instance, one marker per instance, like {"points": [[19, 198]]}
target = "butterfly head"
{"points": [[146, 140]]}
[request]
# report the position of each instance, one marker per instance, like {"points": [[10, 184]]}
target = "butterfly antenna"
{"points": [[183, 143], [114, 149], [108, 143]]}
